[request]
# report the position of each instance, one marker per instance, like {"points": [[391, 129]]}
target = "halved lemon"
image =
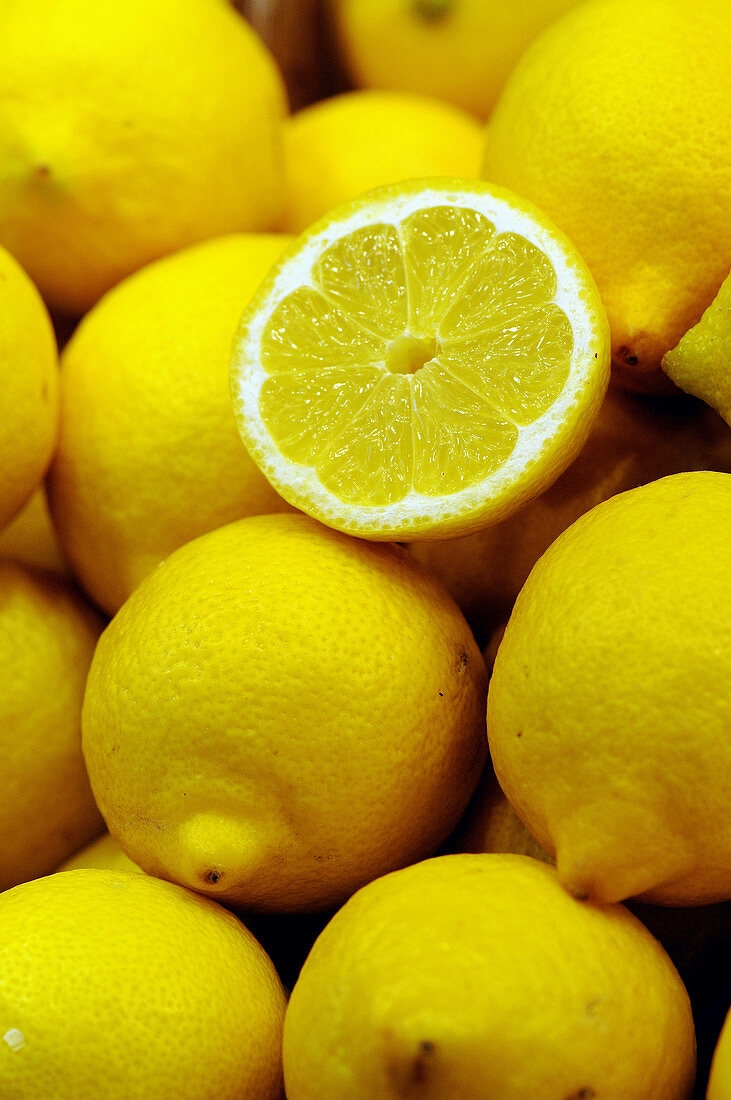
{"points": [[421, 361]]}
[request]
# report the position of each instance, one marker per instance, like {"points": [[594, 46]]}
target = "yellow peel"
{"points": [[701, 362]]}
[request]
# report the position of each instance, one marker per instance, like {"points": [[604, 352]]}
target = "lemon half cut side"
{"points": [[421, 361]]}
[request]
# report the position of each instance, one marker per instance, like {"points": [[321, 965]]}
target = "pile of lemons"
{"points": [[365, 616]]}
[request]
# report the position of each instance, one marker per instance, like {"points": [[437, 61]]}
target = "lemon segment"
{"points": [[456, 433], [365, 274], [319, 398], [422, 360]]}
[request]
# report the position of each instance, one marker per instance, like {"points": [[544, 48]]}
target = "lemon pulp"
{"points": [[414, 356]]}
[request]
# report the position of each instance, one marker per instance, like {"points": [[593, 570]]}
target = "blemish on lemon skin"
{"points": [[433, 11], [212, 877], [412, 1075], [626, 355], [42, 171], [14, 1038], [420, 1065]]}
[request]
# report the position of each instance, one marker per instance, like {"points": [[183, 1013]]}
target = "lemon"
{"points": [[490, 824], [701, 362], [339, 148], [119, 986], [635, 439], [634, 159], [719, 1084], [692, 937], [149, 455], [421, 362], [459, 50], [31, 538], [608, 711], [127, 131], [47, 637], [28, 388], [478, 976], [103, 854], [280, 713]]}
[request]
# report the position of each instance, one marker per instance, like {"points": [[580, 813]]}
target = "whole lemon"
{"points": [[47, 637], [149, 456], [28, 388], [127, 131], [339, 148], [608, 711], [280, 713], [477, 976], [459, 50], [719, 1084], [631, 102], [120, 986], [634, 440], [31, 537]]}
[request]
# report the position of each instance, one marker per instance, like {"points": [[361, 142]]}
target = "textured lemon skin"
{"points": [[608, 713], [623, 92], [634, 440], [719, 1084], [130, 988], [339, 148], [149, 456], [280, 713], [28, 388], [459, 50], [30, 537], [104, 854], [128, 131], [701, 362], [478, 976], [47, 637]]}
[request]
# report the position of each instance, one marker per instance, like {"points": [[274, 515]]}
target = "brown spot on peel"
{"points": [[412, 1073], [420, 1065], [627, 356]]}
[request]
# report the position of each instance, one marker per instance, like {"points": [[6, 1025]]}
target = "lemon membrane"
{"points": [[421, 361]]}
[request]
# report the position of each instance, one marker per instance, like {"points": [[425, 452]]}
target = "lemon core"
{"points": [[407, 354]]}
